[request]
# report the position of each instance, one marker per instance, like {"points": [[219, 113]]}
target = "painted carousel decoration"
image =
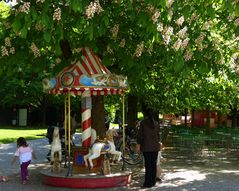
{"points": [[85, 77]]}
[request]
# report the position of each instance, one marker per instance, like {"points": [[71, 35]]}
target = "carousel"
{"points": [[86, 166]]}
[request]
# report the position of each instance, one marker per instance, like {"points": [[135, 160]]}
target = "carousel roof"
{"points": [[87, 73]]}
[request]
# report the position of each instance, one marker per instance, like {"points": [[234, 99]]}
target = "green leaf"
{"points": [[23, 32], [34, 14], [237, 31], [237, 10], [228, 5], [179, 64], [106, 21], [211, 11], [76, 5], [45, 19], [186, 11], [162, 3], [47, 36], [91, 33], [203, 68], [58, 49], [16, 25], [59, 32]]}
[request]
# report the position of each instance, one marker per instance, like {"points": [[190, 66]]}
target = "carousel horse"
{"points": [[56, 149], [99, 147]]}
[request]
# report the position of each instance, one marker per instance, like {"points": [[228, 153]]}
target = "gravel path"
{"points": [[180, 174]]}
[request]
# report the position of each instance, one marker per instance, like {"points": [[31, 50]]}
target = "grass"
{"points": [[11, 134]]}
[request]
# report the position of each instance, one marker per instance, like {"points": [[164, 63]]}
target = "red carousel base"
{"points": [[86, 181]]}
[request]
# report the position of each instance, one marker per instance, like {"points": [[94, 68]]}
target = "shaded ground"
{"points": [[217, 172]]}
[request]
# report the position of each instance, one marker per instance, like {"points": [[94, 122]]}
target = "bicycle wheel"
{"points": [[130, 155]]}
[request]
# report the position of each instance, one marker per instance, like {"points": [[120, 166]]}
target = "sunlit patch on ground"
{"points": [[183, 176]]}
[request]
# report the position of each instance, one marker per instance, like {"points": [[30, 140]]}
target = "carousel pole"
{"points": [[86, 118], [65, 122], [123, 126], [123, 121], [69, 124]]}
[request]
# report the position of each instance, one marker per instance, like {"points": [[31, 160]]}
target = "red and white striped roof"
{"points": [[89, 64]]}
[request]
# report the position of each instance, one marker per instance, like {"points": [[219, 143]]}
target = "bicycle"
{"points": [[130, 153]]}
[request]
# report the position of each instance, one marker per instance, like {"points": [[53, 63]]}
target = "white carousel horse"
{"points": [[103, 146], [56, 145]]}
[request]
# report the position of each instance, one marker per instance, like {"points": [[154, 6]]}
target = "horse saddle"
{"points": [[106, 148]]}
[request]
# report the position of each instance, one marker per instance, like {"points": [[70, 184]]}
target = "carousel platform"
{"points": [[92, 180]]}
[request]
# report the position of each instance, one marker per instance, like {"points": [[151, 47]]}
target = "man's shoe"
{"points": [[158, 179]]}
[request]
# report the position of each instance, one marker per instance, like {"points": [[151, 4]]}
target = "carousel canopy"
{"points": [[87, 73]]}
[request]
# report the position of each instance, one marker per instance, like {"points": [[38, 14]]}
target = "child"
{"points": [[3, 178], [25, 154], [159, 169]]}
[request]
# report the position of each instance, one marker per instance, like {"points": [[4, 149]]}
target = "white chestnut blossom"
{"points": [[12, 50], [115, 30], [177, 44], [156, 16], [122, 43], [231, 17], [35, 50], [193, 17], [8, 42], [221, 61], [94, 7], [39, 27], [199, 39], [183, 32], [25, 8], [139, 50], [206, 25], [40, 1], [168, 31], [160, 27], [188, 55], [169, 3], [57, 14], [150, 8], [236, 22], [185, 43], [4, 51], [109, 50], [180, 21], [58, 60], [170, 13]]}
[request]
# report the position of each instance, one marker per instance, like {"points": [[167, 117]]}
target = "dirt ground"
{"points": [[181, 173]]}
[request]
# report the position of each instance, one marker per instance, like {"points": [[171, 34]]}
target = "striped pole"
{"points": [[86, 119]]}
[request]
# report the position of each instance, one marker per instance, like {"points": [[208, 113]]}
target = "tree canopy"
{"points": [[176, 54]]}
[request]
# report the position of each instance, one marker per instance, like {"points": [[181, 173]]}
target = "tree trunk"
{"points": [[192, 119], [98, 115], [185, 119], [208, 118], [132, 110], [66, 49], [43, 110], [234, 116], [219, 119]]}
